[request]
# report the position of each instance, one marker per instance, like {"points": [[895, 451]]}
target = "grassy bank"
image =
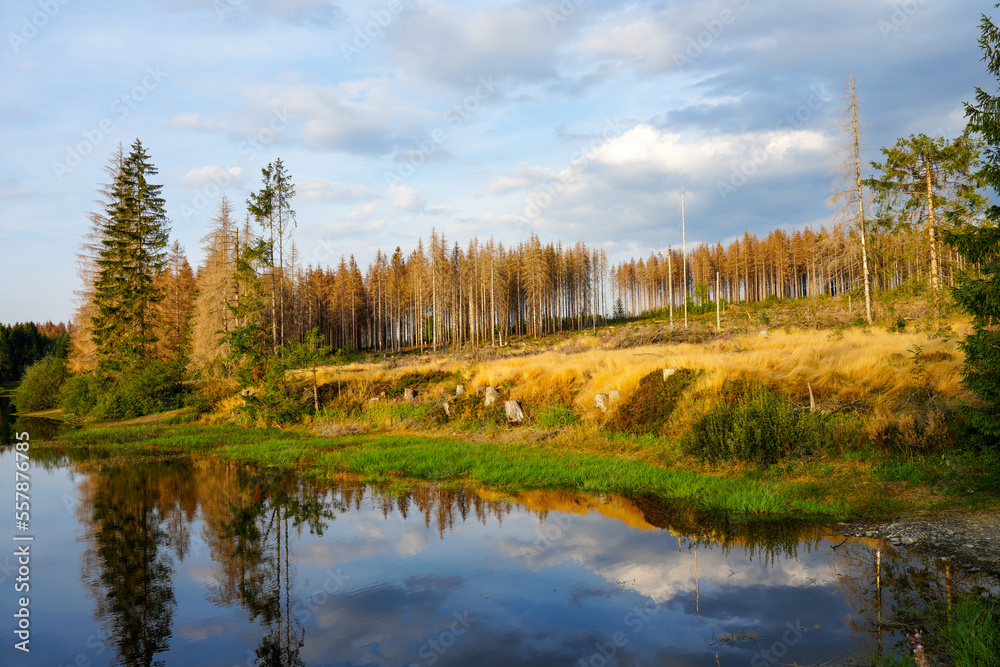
{"points": [[771, 415], [852, 486]]}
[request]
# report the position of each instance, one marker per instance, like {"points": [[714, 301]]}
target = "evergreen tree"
{"points": [[979, 292], [133, 251]]}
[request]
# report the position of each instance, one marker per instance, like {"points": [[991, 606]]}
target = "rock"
{"points": [[601, 401], [490, 395], [614, 396], [478, 389], [447, 409], [514, 412], [460, 390], [409, 394], [907, 540], [667, 372], [373, 400]]}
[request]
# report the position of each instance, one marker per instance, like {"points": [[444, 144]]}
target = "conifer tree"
{"points": [[979, 292], [132, 253]]}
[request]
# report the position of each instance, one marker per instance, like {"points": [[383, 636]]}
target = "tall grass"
{"points": [[873, 369]]}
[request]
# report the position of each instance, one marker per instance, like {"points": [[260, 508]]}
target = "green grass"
{"points": [[498, 465], [962, 633]]}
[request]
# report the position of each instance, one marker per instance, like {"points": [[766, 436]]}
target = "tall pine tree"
{"points": [[979, 293], [133, 251]]}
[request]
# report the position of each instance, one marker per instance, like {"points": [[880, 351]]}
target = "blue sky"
{"points": [[572, 120]]}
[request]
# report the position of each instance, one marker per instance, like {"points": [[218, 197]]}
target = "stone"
{"points": [[460, 390], [409, 394], [667, 372], [447, 409], [601, 401], [614, 396], [478, 389], [490, 396], [515, 415]]}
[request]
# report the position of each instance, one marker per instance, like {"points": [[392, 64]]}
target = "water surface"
{"points": [[181, 561]]}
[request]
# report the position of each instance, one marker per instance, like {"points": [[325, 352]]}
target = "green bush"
{"points": [[80, 393], [135, 392], [751, 423], [39, 389]]}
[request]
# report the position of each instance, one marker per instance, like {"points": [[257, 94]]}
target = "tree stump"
{"points": [[490, 395], [515, 415]]}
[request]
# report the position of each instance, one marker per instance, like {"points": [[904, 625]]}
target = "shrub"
{"points": [[80, 393], [135, 392], [754, 424], [39, 389], [650, 408]]}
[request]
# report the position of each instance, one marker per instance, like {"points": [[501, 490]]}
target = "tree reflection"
{"points": [[127, 565], [255, 547]]}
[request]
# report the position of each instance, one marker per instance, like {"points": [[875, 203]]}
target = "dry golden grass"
{"points": [[874, 369]]}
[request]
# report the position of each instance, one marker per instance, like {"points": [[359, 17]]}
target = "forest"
{"points": [[150, 330]]}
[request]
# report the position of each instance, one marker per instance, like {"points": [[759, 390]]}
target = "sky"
{"points": [[576, 120]]}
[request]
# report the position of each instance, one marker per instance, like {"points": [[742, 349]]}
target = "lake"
{"points": [[186, 561]]}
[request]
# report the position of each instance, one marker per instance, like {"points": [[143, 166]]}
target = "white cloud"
{"points": [[520, 177], [202, 176], [618, 190], [443, 44], [196, 122], [321, 189], [364, 212], [406, 199]]}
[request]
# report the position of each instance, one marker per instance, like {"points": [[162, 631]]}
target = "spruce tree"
{"points": [[133, 251], [978, 293]]}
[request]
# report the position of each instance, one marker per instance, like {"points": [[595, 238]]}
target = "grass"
{"points": [[619, 464], [961, 632]]}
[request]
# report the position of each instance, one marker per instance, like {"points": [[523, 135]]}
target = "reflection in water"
{"points": [[194, 561], [127, 566], [40, 428], [253, 547]]}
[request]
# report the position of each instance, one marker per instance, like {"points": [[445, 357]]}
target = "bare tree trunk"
{"points": [[931, 225]]}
